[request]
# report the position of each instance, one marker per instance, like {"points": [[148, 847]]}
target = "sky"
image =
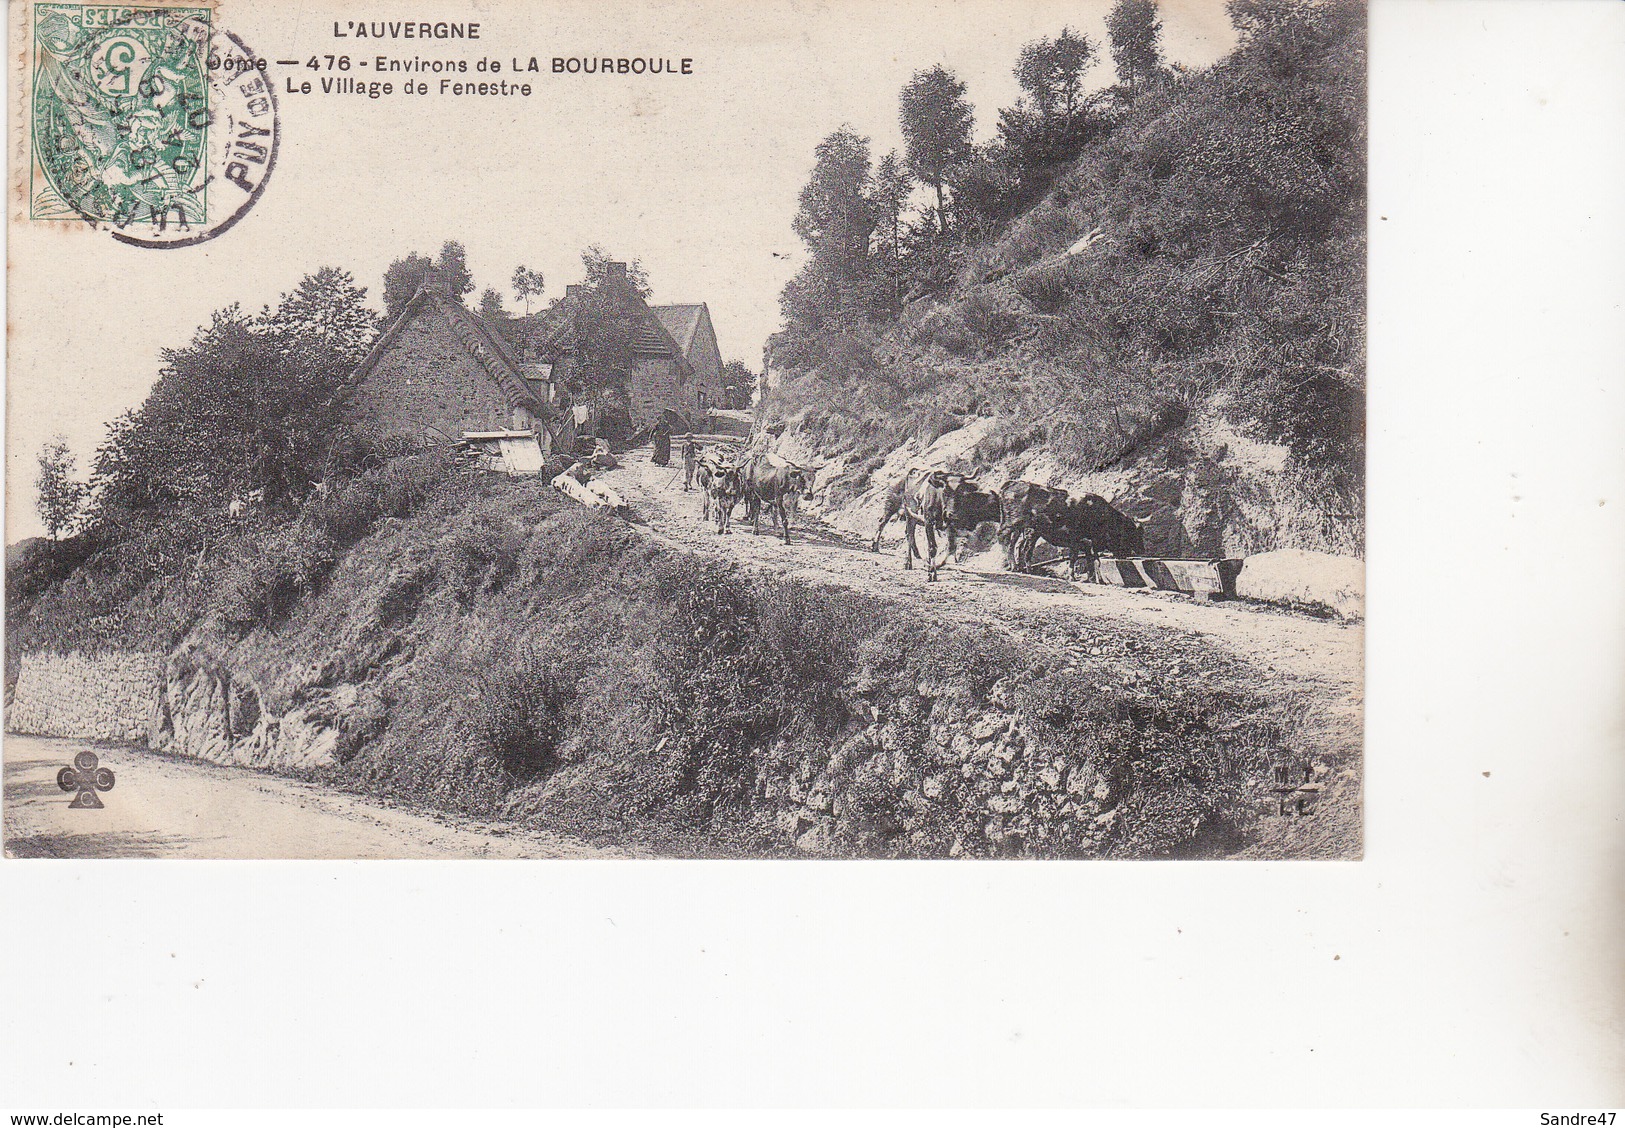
{"points": [[696, 176]]}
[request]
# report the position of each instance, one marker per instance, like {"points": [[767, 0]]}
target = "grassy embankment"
{"points": [[511, 654]]}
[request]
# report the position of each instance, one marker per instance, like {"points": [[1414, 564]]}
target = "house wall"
{"points": [[426, 378], [706, 358], [655, 388]]}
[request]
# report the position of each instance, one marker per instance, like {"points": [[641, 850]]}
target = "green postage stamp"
{"points": [[149, 122]]}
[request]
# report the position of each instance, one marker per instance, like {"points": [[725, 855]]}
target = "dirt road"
{"points": [[1310, 670], [1311, 651], [165, 807]]}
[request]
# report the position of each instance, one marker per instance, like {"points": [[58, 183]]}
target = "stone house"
{"points": [[440, 371], [675, 364], [443, 371], [690, 326]]}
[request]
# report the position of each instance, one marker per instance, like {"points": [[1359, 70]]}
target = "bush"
{"points": [[351, 506], [985, 318], [480, 553], [1176, 763], [262, 589], [945, 329], [405, 484], [1046, 285], [519, 713], [480, 714]]}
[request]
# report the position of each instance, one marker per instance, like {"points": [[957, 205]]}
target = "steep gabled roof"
{"points": [[559, 329], [651, 336], [481, 342], [682, 322]]}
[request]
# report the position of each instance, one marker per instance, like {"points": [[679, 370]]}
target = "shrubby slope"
{"points": [[488, 647], [1209, 338]]}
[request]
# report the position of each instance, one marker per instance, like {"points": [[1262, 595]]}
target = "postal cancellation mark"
{"points": [[150, 123]]}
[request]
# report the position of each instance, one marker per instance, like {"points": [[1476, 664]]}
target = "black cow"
{"points": [[1086, 524], [775, 485], [937, 499]]}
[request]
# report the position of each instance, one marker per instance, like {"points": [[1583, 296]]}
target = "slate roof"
{"points": [[682, 322], [651, 335]]}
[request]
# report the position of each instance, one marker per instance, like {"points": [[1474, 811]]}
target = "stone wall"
{"points": [[426, 378], [95, 696], [971, 779], [653, 389]]}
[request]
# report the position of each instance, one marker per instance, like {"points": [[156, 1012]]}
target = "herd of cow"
{"points": [[935, 501], [761, 481]]}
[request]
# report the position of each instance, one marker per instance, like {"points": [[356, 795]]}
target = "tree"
{"points": [[327, 319], [836, 220], [527, 284], [738, 385], [318, 335], [491, 305], [405, 277], [402, 281], [250, 403], [60, 496], [891, 189], [1042, 133], [595, 260], [936, 122], [1136, 41], [1051, 73], [452, 266]]}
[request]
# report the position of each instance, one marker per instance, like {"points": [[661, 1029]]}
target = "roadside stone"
{"points": [[986, 727], [819, 839]]}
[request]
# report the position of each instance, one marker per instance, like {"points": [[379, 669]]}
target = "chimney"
{"points": [[615, 269], [572, 291], [434, 280]]}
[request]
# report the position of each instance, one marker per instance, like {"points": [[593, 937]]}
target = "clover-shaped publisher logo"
{"points": [[87, 779]]}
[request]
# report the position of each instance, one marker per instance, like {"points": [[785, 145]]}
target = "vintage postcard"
{"points": [[479, 428]]}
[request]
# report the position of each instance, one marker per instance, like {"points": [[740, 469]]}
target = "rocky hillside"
{"points": [[1178, 324]]}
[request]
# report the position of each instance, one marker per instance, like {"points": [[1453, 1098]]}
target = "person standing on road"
{"points": [[662, 444], [688, 462]]}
